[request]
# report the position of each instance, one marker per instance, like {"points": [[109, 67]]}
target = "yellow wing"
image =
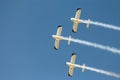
{"points": [[75, 26], [73, 58], [71, 68], [57, 42], [70, 73], [59, 30], [78, 12]]}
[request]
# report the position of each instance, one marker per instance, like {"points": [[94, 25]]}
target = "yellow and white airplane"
{"points": [[58, 37], [72, 65], [77, 20]]}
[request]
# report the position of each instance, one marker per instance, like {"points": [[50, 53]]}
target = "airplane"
{"points": [[58, 37], [72, 65], [77, 20]]}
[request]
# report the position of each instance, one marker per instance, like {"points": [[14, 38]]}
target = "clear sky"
{"points": [[26, 45]]}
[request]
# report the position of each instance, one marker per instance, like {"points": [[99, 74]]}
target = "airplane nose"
{"points": [[52, 36], [72, 19]]}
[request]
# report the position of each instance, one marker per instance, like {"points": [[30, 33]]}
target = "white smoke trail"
{"points": [[111, 49], [102, 24], [97, 70]]}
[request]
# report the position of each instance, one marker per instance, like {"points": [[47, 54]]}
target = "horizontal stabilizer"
{"points": [[83, 68], [69, 40], [88, 23]]}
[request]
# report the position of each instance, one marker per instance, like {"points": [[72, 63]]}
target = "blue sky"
{"points": [[26, 50]]}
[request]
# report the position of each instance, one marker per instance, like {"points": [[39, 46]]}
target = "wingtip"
{"points": [[73, 53], [55, 48], [69, 75], [59, 26], [73, 31], [78, 8]]}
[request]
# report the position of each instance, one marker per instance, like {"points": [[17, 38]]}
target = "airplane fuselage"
{"points": [[72, 65], [57, 37], [76, 66], [76, 20]]}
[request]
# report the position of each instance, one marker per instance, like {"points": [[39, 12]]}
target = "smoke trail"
{"points": [[111, 49], [97, 70], [102, 24]]}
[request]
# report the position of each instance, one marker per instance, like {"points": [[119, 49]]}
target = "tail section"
{"points": [[83, 68], [69, 40], [88, 23]]}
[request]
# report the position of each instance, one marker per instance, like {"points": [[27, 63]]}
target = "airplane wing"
{"points": [[57, 42], [70, 73], [73, 58], [77, 16], [71, 68], [59, 30], [75, 26], [78, 12]]}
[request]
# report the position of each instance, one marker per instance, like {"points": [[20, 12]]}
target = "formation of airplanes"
{"points": [[76, 21], [58, 38]]}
